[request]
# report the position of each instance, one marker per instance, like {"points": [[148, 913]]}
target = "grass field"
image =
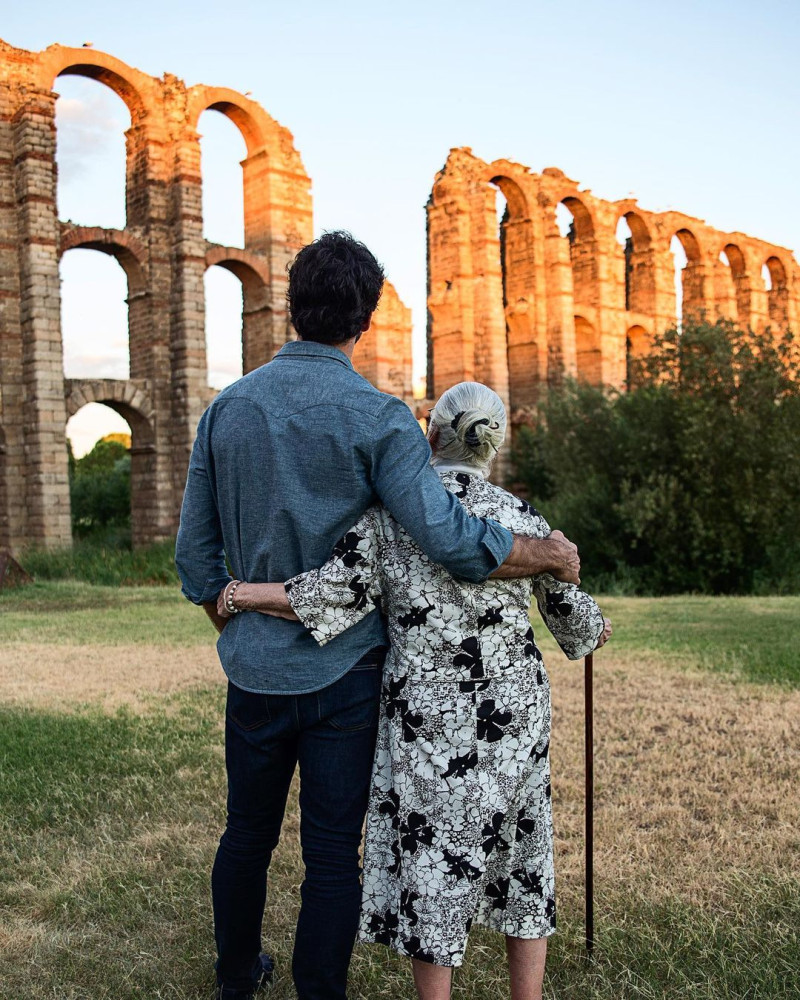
{"points": [[112, 798]]}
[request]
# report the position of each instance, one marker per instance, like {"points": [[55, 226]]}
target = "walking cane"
{"points": [[588, 665]]}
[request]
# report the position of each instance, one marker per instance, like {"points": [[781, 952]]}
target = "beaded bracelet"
{"points": [[230, 607]]}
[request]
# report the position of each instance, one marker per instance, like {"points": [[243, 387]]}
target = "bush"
{"points": [[688, 482], [100, 493]]}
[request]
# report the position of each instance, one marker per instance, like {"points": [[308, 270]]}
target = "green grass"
{"points": [[80, 613], [108, 847], [112, 564], [753, 638]]}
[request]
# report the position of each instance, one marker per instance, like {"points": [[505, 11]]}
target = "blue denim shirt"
{"points": [[286, 460]]}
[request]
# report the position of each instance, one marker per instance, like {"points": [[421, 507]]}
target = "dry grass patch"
{"points": [[696, 779], [52, 677]]}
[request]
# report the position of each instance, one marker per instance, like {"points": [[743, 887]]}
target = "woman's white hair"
{"points": [[468, 425]]}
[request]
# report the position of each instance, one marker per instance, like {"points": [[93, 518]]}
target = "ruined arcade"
{"points": [[522, 307], [164, 255]]}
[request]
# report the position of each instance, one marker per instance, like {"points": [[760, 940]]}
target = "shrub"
{"points": [[690, 481]]}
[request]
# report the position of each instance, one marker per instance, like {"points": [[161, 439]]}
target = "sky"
{"points": [[691, 106]]}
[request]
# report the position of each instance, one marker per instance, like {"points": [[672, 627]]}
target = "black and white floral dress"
{"points": [[459, 827]]}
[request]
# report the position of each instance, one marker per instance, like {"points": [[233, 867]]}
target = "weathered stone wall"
{"points": [[164, 255], [520, 307]]}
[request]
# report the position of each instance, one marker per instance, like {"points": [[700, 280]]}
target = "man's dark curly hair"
{"points": [[334, 286]]}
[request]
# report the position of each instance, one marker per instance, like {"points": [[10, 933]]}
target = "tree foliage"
{"points": [[690, 481], [100, 491]]}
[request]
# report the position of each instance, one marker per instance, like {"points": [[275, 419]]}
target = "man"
{"points": [[285, 461]]}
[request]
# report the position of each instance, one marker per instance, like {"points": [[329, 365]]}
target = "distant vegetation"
{"points": [[688, 482], [100, 493]]}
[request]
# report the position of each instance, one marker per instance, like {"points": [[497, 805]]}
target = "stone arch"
{"points": [[124, 80], [692, 277], [258, 342], [525, 356], [640, 282], [139, 94], [582, 251], [737, 306], [133, 404], [587, 352], [119, 243], [778, 293], [251, 120], [638, 342]]}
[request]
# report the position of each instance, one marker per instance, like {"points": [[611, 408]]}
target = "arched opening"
{"points": [[91, 121], [99, 443], [587, 350], [637, 347], [576, 225], [689, 278], [734, 297], [224, 340], [222, 150], [112, 473], [94, 315], [774, 274], [633, 235], [525, 366]]}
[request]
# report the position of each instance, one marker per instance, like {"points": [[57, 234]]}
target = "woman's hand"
{"points": [[266, 598], [606, 634]]}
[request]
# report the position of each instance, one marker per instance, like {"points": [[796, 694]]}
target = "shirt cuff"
{"points": [[210, 591], [498, 541]]}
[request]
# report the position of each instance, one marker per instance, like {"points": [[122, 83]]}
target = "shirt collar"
{"points": [[311, 349]]}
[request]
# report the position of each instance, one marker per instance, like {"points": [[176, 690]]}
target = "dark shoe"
{"points": [[263, 981]]}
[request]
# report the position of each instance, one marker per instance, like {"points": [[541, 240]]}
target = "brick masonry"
{"points": [[521, 307], [164, 256]]}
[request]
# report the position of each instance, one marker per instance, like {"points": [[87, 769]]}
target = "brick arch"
{"points": [[125, 81], [589, 359], [778, 294], [260, 341], [515, 197], [739, 308], [126, 398], [251, 269], [118, 243], [584, 219], [257, 127], [640, 231]]}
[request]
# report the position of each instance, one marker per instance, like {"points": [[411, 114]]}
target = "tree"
{"points": [[689, 481]]}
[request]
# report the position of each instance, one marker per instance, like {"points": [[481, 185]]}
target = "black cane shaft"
{"points": [[589, 715]]}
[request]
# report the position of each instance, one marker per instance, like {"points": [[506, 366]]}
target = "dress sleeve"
{"points": [[572, 616], [333, 598]]}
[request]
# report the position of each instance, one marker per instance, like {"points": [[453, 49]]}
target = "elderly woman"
{"points": [[459, 827]]}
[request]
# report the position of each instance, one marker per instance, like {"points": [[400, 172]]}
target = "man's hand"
{"points": [[555, 554], [219, 621], [565, 554], [606, 634]]}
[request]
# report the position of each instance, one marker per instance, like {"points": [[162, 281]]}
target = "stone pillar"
{"points": [[188, 366], [277, 223], [526, 324], [561, 354], [12, 455], [46, 471]]}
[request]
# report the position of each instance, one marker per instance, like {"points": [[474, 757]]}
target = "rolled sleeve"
{"points": [[199, 548], [468, 547]]}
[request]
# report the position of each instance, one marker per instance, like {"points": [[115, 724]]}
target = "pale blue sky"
{"points": [[688, 105]]}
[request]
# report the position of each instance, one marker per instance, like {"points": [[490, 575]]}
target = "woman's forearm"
{"points": [[269, 598]]}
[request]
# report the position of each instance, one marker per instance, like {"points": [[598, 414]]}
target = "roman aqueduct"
{"points": [[164, 255], [517, 306]]}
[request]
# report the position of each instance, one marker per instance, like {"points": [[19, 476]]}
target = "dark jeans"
{"points": [[331, 735]]}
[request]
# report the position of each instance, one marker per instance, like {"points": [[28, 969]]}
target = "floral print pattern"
{"points": [[459, 828]]}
